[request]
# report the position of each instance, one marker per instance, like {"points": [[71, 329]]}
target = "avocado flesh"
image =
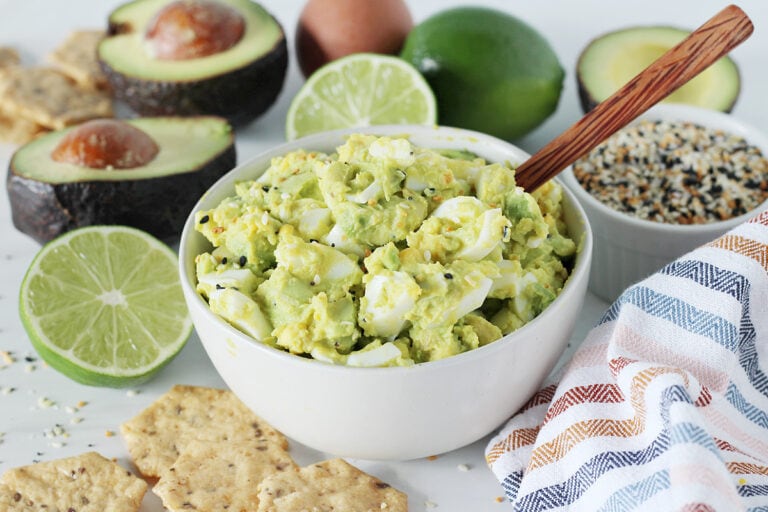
{"points": [[240, 83], [49, 198], [613, 59]]}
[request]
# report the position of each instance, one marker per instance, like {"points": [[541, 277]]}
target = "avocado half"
{"points": [[49, 198], [239, 84], [613, 59]]}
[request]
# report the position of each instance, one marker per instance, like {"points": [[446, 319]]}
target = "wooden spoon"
{"points": [[715, 38]]}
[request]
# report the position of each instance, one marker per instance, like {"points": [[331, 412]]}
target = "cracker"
{"points": [[85, 483], [158, 435], [76, 58], [221, 476], [50, 99], [329, 485], [18, 130], [9, 57]]}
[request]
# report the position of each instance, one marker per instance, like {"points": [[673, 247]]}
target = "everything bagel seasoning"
{"points": [[675, 172]]}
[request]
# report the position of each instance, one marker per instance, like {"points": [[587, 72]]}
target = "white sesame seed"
{"points": [[427, 256], [57, 444], [45, 403], [30, 368], [316, 279], [70, 410], [464, 467], [76, 420], [265, 218], [132, 392], [285, 195], [430, 504]]}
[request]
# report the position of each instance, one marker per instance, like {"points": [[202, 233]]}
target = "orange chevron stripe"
{"points": [[580, 431], [762, 218], [516, 439], [744, 246], [746, 468], [594, 393]]}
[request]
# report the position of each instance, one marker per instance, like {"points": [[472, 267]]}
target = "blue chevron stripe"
{"points": [[680, 313], [633, 495], [739, 287], [761, 508], [723, 281], [754, 414], [511, 484], [710, 276], [752, 491], [570, 490]]}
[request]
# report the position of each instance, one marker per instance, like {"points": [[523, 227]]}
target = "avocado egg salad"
{"points": [[383, 254]]}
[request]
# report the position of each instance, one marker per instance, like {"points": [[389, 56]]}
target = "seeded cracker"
{"points": [[76, 57], [86, 483], [18, 130], [9, 57], [48, 98], [329, 485], [159, 434], [221, 476]]}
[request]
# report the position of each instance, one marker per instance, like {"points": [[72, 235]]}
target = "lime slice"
{"points": [[103, 305], [359, 90]]}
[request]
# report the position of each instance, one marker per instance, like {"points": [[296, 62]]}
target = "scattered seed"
{"points": [[45, 403], [132, 392], [109, 433], [464, 467], [430, 504]]}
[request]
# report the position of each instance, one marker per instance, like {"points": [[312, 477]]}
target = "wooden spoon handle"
{"points": [[715, 38]]}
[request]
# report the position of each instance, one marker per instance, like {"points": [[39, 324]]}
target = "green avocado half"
{"points": [[239, 83], [613, 59], [49, 198]]}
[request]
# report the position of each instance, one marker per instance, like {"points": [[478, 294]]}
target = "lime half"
{"points": [[359, 90], [103, 305]]}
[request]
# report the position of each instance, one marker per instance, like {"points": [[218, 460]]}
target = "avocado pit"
{"points": [[146, 172], [226, 58], [189, 29], [106, 144]]}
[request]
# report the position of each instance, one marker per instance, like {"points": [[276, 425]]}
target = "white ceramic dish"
{"points": [[628, 249], [388, 413]]}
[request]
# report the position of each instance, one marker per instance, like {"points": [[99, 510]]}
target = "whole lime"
{"points": [[490, 71]]}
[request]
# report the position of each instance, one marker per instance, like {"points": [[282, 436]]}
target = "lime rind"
{"points": [[115, 340], [361, 90]]}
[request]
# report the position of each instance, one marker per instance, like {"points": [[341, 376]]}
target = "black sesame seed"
{"points": [[242, 261], [204, 219], [448, 275]]}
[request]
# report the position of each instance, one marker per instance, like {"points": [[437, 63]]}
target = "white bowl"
{"points": [[387, 413], [628, 249]]}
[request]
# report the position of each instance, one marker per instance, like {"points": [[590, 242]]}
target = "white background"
{"points": [[37, 26]]}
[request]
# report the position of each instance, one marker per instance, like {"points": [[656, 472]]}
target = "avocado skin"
{"points": [[240, 95], [159, 206]]}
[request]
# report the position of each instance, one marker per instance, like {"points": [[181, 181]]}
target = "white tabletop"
{"points": [[28, 427]]}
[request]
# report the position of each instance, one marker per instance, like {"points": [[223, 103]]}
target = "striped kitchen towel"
{"points": [[665, 404]]}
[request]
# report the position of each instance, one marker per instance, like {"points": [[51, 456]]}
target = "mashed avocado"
{"points": [[383, 254]]}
